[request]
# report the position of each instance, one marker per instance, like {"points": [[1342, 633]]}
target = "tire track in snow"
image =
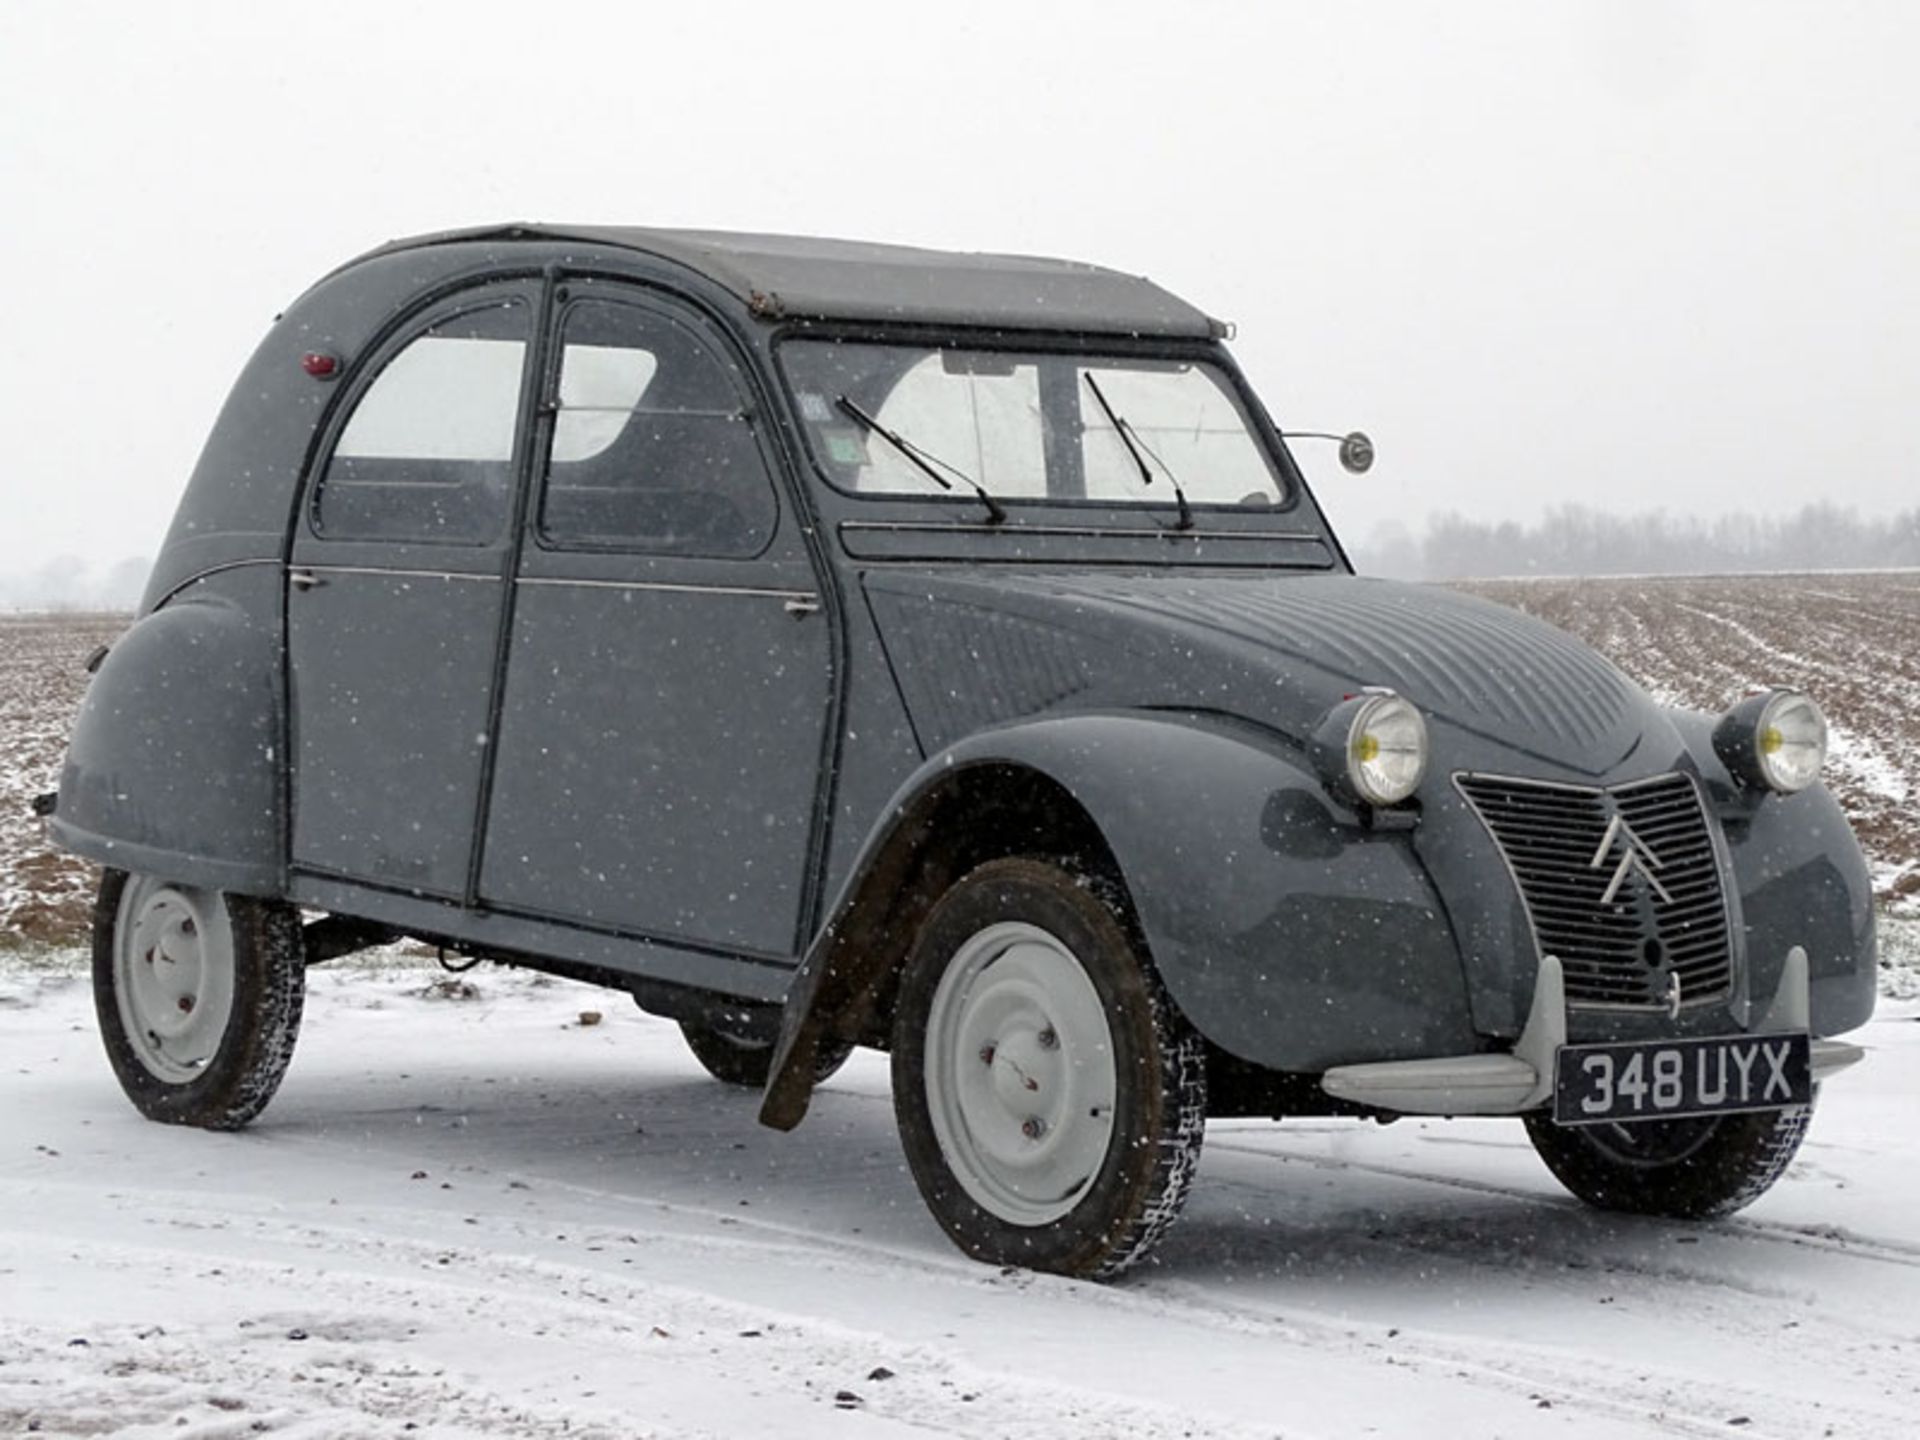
{"points": [[1627, 1393], [1666, 1397], [458, 1288], [1691, 1298], [1833, 1239], [1565, 1381]]}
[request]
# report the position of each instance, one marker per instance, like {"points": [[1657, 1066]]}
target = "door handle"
{"points": [[303, 579], [801, 606]]}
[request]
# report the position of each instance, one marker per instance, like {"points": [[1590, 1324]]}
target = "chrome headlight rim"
{"points": [[1792, 728], [1775, 740], [1372, 749]]}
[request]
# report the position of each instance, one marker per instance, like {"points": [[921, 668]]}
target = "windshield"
{"points": [[1029, 425]]}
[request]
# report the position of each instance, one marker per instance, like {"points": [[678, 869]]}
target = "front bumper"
{"points": [[1522, 1080]]}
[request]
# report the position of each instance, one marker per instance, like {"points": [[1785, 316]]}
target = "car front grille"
{"points": [[1622, 885]]}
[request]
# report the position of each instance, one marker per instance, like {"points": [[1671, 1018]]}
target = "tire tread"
{"points": [[1737, 1164]]}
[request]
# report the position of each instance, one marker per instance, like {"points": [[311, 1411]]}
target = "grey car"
{"points": [[836, 644]]}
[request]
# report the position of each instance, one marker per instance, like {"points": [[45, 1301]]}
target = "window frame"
{"points": [[1260, 425], [503, 291], [646, 299]]}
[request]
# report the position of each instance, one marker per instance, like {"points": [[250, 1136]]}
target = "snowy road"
{"points": [[421, 1237]]}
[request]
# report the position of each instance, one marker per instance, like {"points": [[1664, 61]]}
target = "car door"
{"points": [[396, 591], [670, 670]]}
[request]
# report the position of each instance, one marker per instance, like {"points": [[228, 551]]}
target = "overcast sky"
{"points": [[1621, 254]]}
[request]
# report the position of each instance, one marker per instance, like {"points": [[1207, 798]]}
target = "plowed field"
{"points": [[44, 894]]}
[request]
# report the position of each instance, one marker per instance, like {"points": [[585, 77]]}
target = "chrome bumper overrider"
{"points": [[1523, 1080]]}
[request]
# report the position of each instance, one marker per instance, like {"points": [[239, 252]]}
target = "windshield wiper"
{"points": [[1137, 448], [996, 513]]}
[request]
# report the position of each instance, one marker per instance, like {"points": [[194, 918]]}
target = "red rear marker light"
{"points": [[320, 365]]}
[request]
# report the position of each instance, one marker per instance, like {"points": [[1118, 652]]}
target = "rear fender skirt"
{"points": [[174, 768]]}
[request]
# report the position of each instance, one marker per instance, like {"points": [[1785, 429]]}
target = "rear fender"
{"points": [[174, 768]]}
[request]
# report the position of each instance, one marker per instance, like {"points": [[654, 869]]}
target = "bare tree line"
{"points": [[1576, 540]]}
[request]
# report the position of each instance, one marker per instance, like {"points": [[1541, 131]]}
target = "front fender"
{"points": [[173, 767], [1802, 880], [1289, 936]]}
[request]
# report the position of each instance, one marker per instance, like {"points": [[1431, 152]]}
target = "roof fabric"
{"points": [[810, 277]]}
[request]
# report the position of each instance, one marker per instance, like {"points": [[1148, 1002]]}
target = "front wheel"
{"points": [[1050, 1099], [1692, 1169], [199, 995]]}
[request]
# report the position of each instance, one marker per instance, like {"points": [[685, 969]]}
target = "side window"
{"points": [[652, 445], [427, 454]]}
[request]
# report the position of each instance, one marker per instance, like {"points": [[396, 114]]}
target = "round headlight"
{"points": [[1778, 740], [1791, 741], [1373, 748]]}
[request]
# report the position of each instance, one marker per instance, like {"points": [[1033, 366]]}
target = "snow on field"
{"points": [[481, 1218]]}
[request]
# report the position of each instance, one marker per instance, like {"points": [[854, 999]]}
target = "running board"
{"points": [[1514, 1083]]}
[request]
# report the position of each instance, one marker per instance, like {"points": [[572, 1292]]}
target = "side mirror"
{"points": [[1356, 450]]}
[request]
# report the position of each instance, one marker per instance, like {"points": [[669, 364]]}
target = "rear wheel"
{"points": [[1691, 1169], [198, 994], [1050, 1099], [742, 1060]]}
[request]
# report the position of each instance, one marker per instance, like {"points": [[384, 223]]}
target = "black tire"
{"points": [[736, 1060], [1693, 1169], [250, 954], [1136, 1185]]}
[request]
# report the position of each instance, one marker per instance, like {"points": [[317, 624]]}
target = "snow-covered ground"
{"points": [[478, 1217]]}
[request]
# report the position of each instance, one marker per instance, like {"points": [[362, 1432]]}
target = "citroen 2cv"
{"points": [[836, 644]]}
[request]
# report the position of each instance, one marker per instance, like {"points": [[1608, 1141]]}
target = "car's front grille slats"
{"points": [[1567, 844]]}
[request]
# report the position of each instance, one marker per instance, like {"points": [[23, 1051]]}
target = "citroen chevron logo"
{"points": [[1634, 855]]}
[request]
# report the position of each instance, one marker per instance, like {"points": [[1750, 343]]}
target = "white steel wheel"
{"points": [[173, 976], [1051, 1100], [199, 995], [1020, 1077]]}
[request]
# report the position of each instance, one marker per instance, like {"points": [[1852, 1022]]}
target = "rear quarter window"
{"points": [[426, 455]]}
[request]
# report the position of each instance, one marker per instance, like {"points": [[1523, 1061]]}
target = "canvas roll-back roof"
{"points": [[814, 278]]}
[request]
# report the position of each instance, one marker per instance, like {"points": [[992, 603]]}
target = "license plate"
{"points": [[1665, 1079]]}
